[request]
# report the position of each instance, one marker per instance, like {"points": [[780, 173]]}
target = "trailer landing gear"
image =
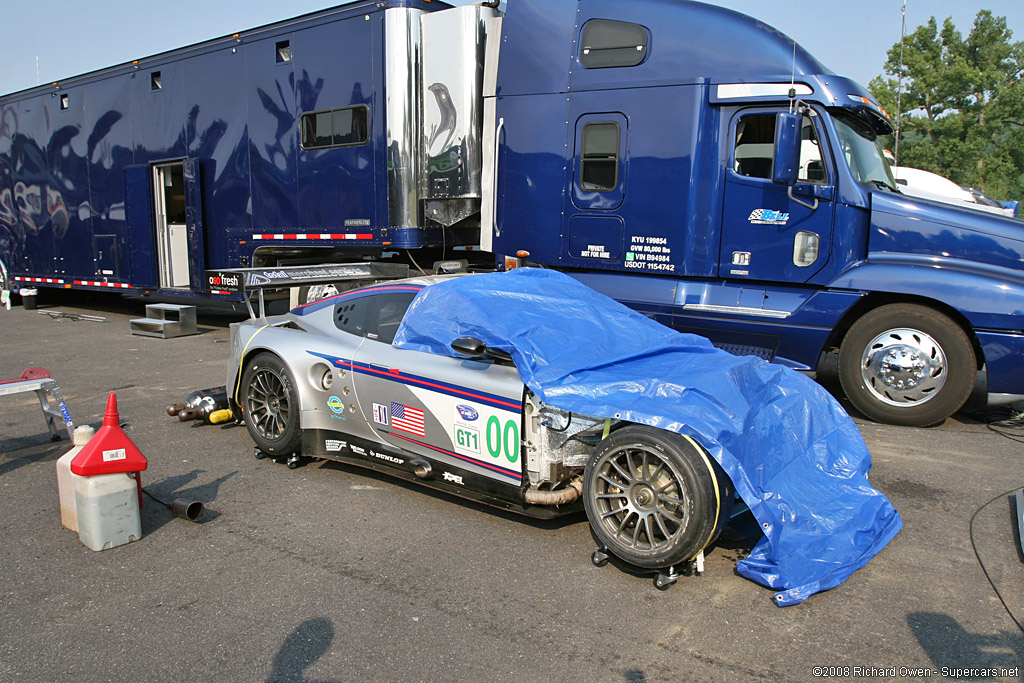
{"points": [[663, 579]]}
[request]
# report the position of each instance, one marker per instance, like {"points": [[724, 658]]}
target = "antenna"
{"points": [[899, 88], [792, 78]]}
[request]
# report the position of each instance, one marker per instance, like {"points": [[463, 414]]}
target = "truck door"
{"points": [[768, 232]]}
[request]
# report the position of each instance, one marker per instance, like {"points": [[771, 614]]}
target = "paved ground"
{"points": [[329, 573]]}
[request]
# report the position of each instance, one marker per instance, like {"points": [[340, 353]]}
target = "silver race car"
{"points": [[324, 381]]}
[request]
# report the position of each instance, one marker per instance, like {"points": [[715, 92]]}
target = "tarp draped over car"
{"points": [[792, 452]]}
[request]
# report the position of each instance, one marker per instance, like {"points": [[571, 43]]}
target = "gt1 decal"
{"points": [[467, 440], [454, 478], [336, 404], [380, 414], [334, 445], [768, 217]]}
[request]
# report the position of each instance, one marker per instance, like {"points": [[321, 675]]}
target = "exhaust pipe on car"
{"points": [[569, 494]]}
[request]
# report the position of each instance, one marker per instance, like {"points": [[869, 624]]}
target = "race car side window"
{"points": [[385, 313], [350, 315]]}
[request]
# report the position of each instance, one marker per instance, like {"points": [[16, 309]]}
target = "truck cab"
{"points": [[696, 165]]}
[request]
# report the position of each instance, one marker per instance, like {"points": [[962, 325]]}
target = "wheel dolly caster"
{"points": [[665, 579], [599, 557], [294, 460], [258, 454]]}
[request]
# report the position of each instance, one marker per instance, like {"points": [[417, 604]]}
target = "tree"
{"points": [[962, 103]]}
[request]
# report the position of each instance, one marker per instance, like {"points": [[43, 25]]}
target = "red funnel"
{"points": [[110, 451]]}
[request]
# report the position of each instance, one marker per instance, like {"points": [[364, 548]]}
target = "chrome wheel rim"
{"points": [[268, 404], [639, 499], [903, 367]]}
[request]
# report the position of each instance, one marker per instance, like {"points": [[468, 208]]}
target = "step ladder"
{"points": [[165, 321], [51, 400]]}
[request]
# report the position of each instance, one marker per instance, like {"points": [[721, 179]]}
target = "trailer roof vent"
{"points": [[606, 43], [284, 51], [154, 81]]}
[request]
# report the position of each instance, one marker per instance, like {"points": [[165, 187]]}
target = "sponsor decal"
{"points": [[387, 458], [334, 445], [380, 414], [222, 280], [336, 404], [357, 449], [768, 217], [453, 478], [357, 222], [467, 413], [407, 419]]}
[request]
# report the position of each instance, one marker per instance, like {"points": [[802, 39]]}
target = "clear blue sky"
{"points": [[70, 37]]}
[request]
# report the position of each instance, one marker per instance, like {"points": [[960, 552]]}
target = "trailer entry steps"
{"points": [[165, 321], [51, 400]]}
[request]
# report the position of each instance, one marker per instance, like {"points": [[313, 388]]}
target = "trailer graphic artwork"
{"points": [[401, 131]]}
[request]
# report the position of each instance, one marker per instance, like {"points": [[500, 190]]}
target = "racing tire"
{"points": [[653, 497], [271, 404], [905, 364]]}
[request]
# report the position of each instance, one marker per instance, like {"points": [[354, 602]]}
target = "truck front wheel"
{"points": [[906, 364]]}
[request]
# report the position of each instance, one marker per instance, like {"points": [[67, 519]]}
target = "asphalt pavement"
{"points": [[333, 573]]}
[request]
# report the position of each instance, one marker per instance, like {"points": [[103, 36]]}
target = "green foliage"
{"points": [[962, 103]]}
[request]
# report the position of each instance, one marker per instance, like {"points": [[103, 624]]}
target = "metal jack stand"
{"points": [[51, 400]]}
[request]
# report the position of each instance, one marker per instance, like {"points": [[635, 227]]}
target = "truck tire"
{"points": [[906, 364], [271, 404], [653, 497]]}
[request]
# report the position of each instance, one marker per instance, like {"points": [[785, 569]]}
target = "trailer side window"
{"points": [[599, 163], [755, 149], [344, 127], [606, 43]]}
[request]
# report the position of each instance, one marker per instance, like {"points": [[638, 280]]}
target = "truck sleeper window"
{"points": [[342, 127], [606, 43], [599, 162]]}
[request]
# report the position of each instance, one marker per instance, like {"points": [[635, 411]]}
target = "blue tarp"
{"points": [[792, 452]]}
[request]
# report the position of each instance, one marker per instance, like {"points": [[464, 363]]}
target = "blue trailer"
{"points": [[685, 159]]}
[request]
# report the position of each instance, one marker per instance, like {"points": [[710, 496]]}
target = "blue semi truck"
{"points": [[685, 159]]}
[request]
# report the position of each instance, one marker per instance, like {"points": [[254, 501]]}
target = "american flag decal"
{"points": [[407, 419]]}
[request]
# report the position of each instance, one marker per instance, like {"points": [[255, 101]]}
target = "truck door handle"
{"points": [[812, 206]]}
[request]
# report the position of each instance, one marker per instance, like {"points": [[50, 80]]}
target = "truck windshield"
{"points": [[862, 150]]}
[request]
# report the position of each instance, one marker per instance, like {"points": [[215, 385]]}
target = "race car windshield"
{"points": [[862, 150]]}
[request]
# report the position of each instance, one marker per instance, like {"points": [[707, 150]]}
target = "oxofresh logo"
{"points": [[768, 217]]}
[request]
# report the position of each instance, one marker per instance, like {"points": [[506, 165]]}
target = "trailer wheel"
{"points": [[652, 497], [906, 364], [271, 405]]}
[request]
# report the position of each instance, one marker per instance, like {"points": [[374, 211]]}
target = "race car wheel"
{"points": [[905, 364], [652, 497], [271, 405]]}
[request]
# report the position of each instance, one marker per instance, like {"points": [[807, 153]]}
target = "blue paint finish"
{"points": [[140, 231], [1004, 359]]}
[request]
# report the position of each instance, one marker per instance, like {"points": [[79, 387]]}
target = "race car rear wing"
{"points": [[246, 280]]}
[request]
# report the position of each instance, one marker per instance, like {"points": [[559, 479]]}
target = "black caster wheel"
{"points": [[294, 461], [258, 454], [599, 557]]}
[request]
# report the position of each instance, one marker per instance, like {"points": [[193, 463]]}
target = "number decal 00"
{"points": [[506, 439]]}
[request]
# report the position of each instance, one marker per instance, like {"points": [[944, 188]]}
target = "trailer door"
{"points": [[171, 228]]}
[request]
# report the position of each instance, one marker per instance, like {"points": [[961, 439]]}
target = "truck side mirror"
{"points": [[786, 162]]}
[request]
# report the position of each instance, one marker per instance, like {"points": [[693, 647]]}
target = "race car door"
{"points": [[464, 413]]}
